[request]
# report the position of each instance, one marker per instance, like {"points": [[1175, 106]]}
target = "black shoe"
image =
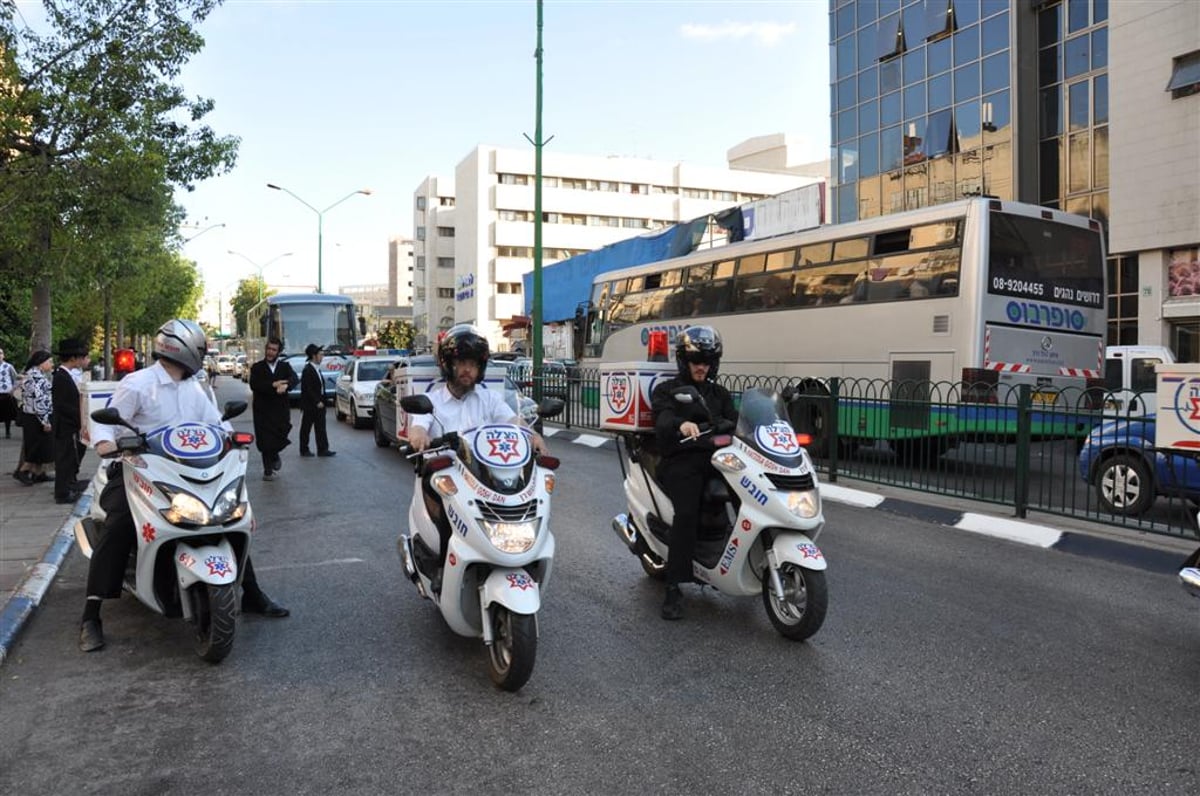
{"points": [[263, 605], [25, 477], [672, 607], [306, 454], [268, 476], [42, 478], [327, 453], [70, 497], [278, 462], [91, 637]]}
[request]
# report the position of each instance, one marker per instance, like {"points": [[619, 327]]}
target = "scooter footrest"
{"points": [[708, 551]]}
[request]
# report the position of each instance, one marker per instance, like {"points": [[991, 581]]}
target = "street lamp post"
{"points": [[260, 268], [320, 222], [201, 232]]}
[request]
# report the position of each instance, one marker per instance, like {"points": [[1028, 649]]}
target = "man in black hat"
{"points": [[73, 358], [312, 403]]}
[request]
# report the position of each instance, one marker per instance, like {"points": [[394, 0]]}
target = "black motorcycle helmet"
{"points": [[698, 344], [462, 342]]}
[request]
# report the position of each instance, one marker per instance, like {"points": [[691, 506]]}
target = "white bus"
{"points": [[970, 298], [299, 319]]}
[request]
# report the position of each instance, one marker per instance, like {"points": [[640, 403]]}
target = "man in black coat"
{"points": [[312, 403], [270, 380], [65, 419]]}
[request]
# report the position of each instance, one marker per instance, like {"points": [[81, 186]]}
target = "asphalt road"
{"points": [[949, 663]]}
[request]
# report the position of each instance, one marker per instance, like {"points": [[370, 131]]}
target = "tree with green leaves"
{"points": [[397, 334], [94, 137], [250, 291]]}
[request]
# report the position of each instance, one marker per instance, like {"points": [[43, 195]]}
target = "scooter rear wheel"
{"points": [[214, 610], [801, 612], [513, 648]]}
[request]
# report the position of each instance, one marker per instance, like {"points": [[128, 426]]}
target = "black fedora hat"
{"points": [[312, 349], [71, 347]]}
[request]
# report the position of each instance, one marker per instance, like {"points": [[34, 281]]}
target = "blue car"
{"points": [[1119, 459]]}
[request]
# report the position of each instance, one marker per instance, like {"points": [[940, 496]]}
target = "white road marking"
{"points": [[855, 497], [591, 440], [1013, 530]]}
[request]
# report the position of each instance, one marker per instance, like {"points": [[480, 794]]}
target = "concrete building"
{"points": [[485, 236], [1089, 106], [401, 265]]}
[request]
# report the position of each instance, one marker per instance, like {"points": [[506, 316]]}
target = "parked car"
{"points": [[331, 369], [554, 375], [241, 368], [225, 364], [355, 390], [1118, 458]]}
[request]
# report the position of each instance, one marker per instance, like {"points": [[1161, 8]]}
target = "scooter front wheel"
{"points": [[513, 648], [801, 612], [214, 610]]}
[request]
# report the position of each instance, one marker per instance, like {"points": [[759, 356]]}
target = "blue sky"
{"points": [[330, 97]]}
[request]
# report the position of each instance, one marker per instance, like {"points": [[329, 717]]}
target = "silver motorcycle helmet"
{"points": [[182, 342]]}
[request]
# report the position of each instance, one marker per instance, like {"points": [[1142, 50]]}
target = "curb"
{"points": [[32, 588]]}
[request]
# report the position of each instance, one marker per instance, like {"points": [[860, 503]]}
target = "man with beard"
{"points": [[270, 380]]}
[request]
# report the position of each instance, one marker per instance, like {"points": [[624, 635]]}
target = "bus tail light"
{"points": [[1094, 392], [979, 386]]}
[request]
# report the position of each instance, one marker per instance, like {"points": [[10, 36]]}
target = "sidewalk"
{"points": [[35, 537]]}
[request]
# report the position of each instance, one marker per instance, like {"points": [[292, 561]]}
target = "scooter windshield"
{"points": [[499, 455], [763, 425], [190, 444]]}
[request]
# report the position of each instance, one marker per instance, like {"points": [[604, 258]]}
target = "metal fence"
{"points": [[1019, 448]]}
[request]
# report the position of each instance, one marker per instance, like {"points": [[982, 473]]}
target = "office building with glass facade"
{"points": [[934, 100]]}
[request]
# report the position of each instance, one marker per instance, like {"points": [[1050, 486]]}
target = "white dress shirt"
{"points": [[150, 400]]}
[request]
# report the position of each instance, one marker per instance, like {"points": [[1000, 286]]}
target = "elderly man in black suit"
{"points": [[65, 419]]}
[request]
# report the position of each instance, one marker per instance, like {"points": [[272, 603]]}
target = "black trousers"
{"points": [[683, 477], [313, 419], [68, 453], [111, 554]]}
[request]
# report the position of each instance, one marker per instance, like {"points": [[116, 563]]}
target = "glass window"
{"points": [[966, 12], [851, 249], [889, 75], [868, 116], [778, 261], [1049, 25], [1079, 163], [1077, 106], [1049, 67], [939, 18], [847, 124], [866, 45], [1185, 75], [966, 45], [914, 66], [1077, 15], [1075, 57], [868, 84], [939, 92], [420, 202], [914, 142], [994, 32], [966, 82], [889, 109], [845, 93], [844, 21], [995, 72], [724, 269], [848, 168], [989, 7], [845, 57], [914, 102], [1050, 111], [939, 136], [1050, 169], [1100, 157], [1100, 100], [847, 202], [815, 253], [966, 123], [937, 56], [890, 40], [914, 24], [752, 264], [1100, 48], [891, 149], [996, 111], [868, 155]]}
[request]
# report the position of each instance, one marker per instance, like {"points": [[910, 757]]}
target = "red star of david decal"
{"points": [[504, 448], [618, 390], [783, 440], [217, 565], [148, 533], [192, 438], [519, 580], [1195, 408]]}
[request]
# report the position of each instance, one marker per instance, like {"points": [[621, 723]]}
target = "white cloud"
{"points": [[767, 33]]}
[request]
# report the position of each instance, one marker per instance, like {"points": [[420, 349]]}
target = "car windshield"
{"points": [[762, 425], [372, 371]]}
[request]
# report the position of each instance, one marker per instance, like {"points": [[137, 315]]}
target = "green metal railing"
{"points": [[1015, 447]]}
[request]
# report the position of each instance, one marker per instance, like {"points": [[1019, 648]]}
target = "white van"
{"points": [[1130, 378]]}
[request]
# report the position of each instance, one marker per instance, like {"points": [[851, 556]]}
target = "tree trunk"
{"points": [[42, 331]]}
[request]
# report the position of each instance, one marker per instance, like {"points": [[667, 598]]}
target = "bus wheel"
{"points": [[810, 415]]}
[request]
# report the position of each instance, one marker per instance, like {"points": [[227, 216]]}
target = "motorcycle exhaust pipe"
{"points": [[404, 548], [625, 531], [1189, 578]]}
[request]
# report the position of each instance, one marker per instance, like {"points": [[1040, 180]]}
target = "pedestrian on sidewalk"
{"points": [[312, 403], [9, 409], [36, 405], [68, 450], [270, 380]]}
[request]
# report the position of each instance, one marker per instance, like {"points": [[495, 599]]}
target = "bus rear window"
{"points": [[1045, 260]]}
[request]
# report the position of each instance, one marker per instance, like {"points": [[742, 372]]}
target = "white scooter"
{"points": [[495, 494], [759, 519], [187, 493]]}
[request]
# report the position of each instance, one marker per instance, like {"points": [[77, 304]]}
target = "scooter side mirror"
{"points": [[233, 409], [417, 404], [109, 416]]}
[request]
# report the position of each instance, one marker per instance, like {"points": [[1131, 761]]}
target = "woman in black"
{"points": [[36, 406]]}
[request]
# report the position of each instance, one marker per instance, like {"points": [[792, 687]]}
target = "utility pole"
{"points": [[535, 322]]}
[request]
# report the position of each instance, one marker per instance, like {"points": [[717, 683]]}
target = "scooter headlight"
{"points": [[186, 509], [229, 505], [511, 537], [804, 505]]}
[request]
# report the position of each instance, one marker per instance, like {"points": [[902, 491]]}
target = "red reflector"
{"points": [[803, 440], [722, 441], [242, 438], [549, 462], [1048, 215], [438, 463], [657, 347]]}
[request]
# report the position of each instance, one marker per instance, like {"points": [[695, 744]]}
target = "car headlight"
{"points": [[511, 537], [804, 505], [364, 397]]}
